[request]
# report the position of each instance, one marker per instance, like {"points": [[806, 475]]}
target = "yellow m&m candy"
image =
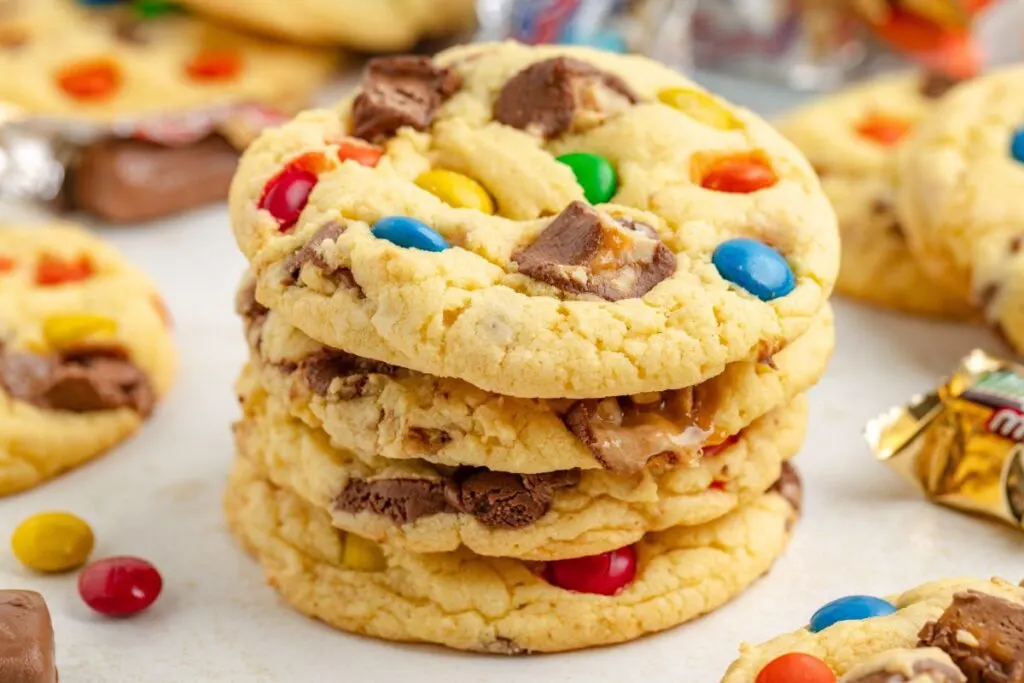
{"points": [[52, 542], [456, 190], [362, 554], [700, 106], [61, 330]]}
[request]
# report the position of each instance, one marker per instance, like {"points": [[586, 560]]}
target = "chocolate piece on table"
{"points": [[555, 96], [133, 180], [400, 91], [983, 635], [26, 639], [585, 252]]}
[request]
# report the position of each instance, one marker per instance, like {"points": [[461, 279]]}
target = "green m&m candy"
{"points": [[595, 174]]}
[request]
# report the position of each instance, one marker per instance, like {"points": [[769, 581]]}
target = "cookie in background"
{"points": [[852, 138], [132, 111], [376, 26]]}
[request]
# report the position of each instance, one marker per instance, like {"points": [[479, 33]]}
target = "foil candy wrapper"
{"points": [[962, 445], [38, 153]]}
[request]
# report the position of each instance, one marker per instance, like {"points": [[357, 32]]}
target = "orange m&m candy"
{"points": [[214, 65], [796, 667], [740, 175], [6, 263], [52, 270], [884, 130], [93, 79], [361, 153]]}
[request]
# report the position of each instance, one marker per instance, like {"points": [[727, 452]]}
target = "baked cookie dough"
{"points": [[374, 26], [78, 60], [496, 605], [851, 138], [951, 631], [422, 508], [537, 221], [964, 167], [374, 409], [85, 351]]}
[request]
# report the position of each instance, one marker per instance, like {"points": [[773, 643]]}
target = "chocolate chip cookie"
{"points": [[417, 506], [952, 631], [542, 222], [851, 138], [85, 352], [964, 167], [505, 606]]}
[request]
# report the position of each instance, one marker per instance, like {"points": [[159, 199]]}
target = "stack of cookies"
{"points": [[530, 331]]}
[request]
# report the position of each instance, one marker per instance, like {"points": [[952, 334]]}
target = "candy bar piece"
{"points": [[26, 639], [132, 180], [960, 444], [920, 665]]}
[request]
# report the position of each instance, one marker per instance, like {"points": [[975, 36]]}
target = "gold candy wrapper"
{"points": [[962, 444]]}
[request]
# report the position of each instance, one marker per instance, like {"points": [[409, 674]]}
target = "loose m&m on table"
{"points": [[120, 586]]}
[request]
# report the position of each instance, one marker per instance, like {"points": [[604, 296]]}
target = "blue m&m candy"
{"points": [[755, 267], [1017, 144], [409, 233], [850, 608]]}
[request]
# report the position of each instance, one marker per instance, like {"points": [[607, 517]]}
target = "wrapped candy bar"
{"points": [[961, 444], [134, 110]]}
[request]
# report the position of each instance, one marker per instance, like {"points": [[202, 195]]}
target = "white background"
{"points": [[159, 497]]}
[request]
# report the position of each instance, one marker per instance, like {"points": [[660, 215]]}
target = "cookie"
{"points": [[76, 60], [85, 351], [542, 222], [375, 409], [965, 170], [496, 605], [951, 631], [422, 508], [851, 138], [378, 26]]}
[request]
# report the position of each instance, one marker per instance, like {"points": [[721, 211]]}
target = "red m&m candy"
{"points": [[604, 574], [739, 175], [285, 195], [93, 79], [119, 586], [214, 65], [712, 450], [796, 667]]}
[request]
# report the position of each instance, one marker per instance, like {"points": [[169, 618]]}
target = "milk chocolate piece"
{"points": [[126, 181], [498, 500], [921, 665], [585, 252], [935, 84], [400, 91], [555, 96], [321, 371], [80, 380], [310, 253], [789, 486], [983, 635], [26, 639]]}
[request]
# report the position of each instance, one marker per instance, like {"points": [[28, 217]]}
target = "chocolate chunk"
{"points": [[320, 372], [400, 91], [983, 635], [585, 252], [310, 251], [555, 96], [26, 638], [1016, 243], [790, 487], [921, 665], [935, 84], [502, 500], [80, 381], [403, 501], [253, 313], [496, 499], [129, 29], [134, 180], [1015, 486]]}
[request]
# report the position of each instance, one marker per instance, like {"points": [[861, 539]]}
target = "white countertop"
{"points": [[863, 531]]}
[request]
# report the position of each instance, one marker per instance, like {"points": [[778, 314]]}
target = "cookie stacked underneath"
{"points": [[530, 331]]}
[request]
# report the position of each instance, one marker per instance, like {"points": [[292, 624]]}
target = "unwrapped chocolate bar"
{"points": [[962, 443], [128, 170], [26, 638]]}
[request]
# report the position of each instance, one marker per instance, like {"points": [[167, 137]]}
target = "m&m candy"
{"points": [[595, 174], [120, 586], [410, 233], [796, 667], [755, 267], [885, 130], [850, 608], [52, 542], [700, 106], [1017, 145], [604, 574], [456, 190], [739, 175]]}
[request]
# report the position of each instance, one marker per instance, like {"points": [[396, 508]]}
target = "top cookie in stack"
{"points": [[546, 312]]}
